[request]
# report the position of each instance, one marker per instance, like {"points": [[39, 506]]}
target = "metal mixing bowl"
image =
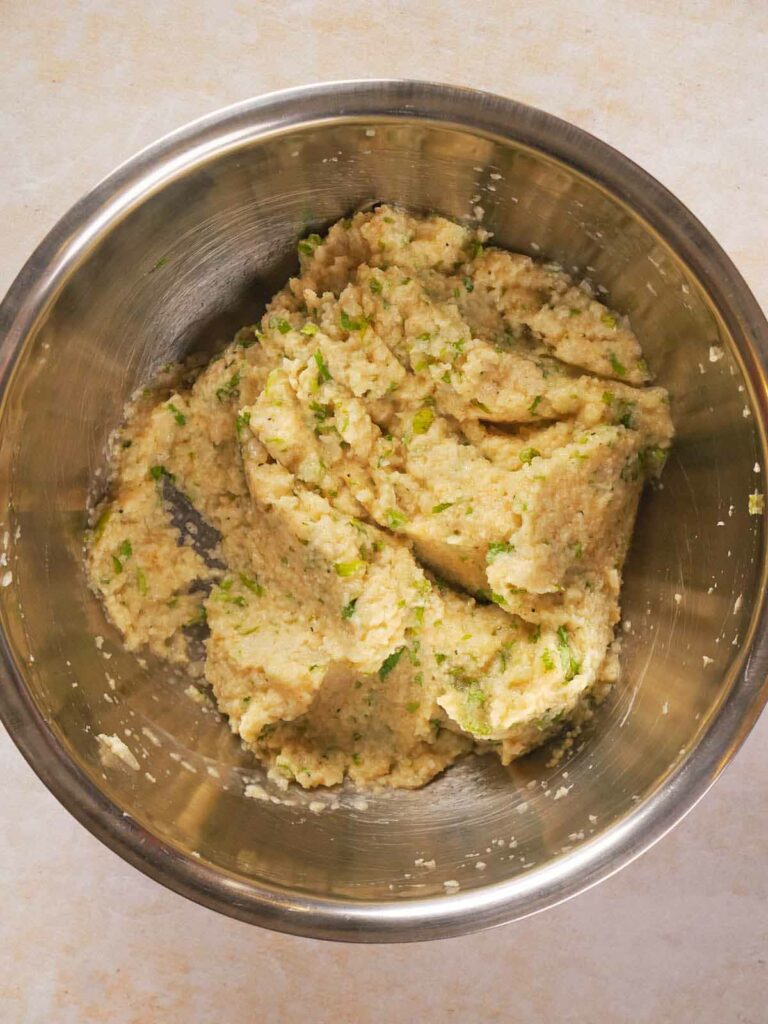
{"points": [[172, 253]]}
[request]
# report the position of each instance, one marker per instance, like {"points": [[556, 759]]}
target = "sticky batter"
{"points": [[393, 515]]}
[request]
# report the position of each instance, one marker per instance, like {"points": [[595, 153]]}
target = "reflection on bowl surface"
{"points": [[171, 255]]}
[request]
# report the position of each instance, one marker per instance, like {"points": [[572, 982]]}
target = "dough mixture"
{"points": [[392, 517]]}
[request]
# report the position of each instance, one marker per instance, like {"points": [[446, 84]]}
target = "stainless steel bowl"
{"points": [[172, 253]]}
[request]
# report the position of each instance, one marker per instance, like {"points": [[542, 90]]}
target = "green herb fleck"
{"points": [[101, 523], [569, 662], [229, 390], [323, 373], [547, 660], [422, 421], [389, 663], [475, 695], [442, 507], [247, 336], [652, 459], [631, 468], [309, 329], [283, 325], [349, 323], [395, 518], [158, 472], [308, 245], [376, 286], [499, 547], [117, 565], [535, 405], [469, 284], [609, 320], [178, 415], [141, 583], [480, 405], [126, 549], [617, 366], [345, 569], [251, 584], [349, 609], [412, 706], [241, 422], [440, 657], [527, 455]]}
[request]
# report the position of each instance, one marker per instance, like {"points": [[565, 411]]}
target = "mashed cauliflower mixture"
{"points": [[392, 517]]}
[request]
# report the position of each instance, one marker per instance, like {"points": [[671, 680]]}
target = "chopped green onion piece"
{"points": [[535, 404], [469, 284], [442, 507], [125, 549], [618, 367], [395, 518], [376, 286], [412, 706], [527, 455], [349, 323], [309, 329], [349, 609], [422, 421], [141, 583], [230, 389], [101, 522], [241, 421], [251, 584], [569, 662], [178, 415], [117, 565], [608, 319], [389, 662], [480, 405], [308, 245], [652, 459], [500, 547], [158, 472], [344, 569], [323, 373]]}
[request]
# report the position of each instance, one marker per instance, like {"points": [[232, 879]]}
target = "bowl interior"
{"points": [[177, 269]]}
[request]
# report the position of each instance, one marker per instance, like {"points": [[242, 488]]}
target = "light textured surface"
{"points": [[680, 935]]}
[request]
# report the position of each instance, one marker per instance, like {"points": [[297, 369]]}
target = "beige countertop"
{"points": [[682, 934]]}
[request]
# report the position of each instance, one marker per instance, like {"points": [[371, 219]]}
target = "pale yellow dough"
{"points": [[422, 470]]}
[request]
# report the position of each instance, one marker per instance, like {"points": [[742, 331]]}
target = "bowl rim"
{"points": [[476, 112]]}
